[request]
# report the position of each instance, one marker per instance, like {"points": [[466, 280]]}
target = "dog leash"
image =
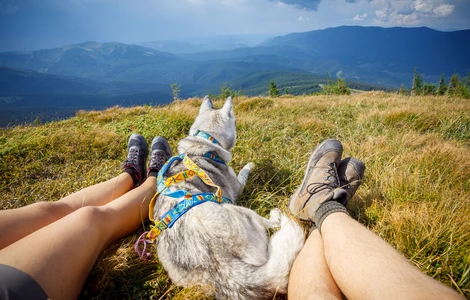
{"points": [[189, 200], [142, 240]]}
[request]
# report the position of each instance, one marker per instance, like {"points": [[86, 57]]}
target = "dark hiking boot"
{"points": [[350, 172], [137, 153], [160, 152]]}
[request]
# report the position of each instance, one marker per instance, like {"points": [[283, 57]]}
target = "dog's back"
{"points": [[223, 246]]}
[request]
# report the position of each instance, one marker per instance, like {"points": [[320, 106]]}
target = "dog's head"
{"points": [[219, 123]]}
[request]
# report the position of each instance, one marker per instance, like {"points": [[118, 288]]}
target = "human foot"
{"points": [[160, 152], [321, 182], [350, 173], [137, 152]]}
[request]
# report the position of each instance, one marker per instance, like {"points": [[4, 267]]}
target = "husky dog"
{"points": [[223, 246]]}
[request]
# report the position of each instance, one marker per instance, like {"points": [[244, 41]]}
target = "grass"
{"points": [[416, 194]]}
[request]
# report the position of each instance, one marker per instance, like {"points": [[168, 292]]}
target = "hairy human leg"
{"points": [[18, 223], [362, 265], [365, 267], [65, 251], [311, 260]]}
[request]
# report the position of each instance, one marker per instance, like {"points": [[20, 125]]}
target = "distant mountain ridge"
{"points": [[395, 50], [384, 56], [88, 60], [204, 44], [96, 74], [27, 94]]}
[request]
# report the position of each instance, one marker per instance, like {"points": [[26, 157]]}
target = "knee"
{"points": [[55, 210], [91, 215], [42, 206]]}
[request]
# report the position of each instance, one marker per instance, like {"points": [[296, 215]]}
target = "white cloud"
{"points": [[410, 19], [434, 8], [382, 14], [303, 19], [301, 4], [444, 10], [397, 19], [402, 7], [423, 6], [360, 17], [410, 12], [282, 5]]}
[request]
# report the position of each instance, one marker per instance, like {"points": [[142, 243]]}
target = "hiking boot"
{"points": [[320, 183], [350, 172], [137, 152], [160, 152]]}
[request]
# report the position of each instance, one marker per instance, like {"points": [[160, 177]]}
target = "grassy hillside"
{"points": [[296, 83], [416, 194], [257, 83]]}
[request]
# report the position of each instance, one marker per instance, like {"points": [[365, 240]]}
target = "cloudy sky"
{"points": [[38, 24]]}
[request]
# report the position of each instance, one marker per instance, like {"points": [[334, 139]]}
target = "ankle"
{"points": [[134, 175], [327, 208], [153, 173], [151, 182]]}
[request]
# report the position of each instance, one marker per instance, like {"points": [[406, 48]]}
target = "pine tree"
{"points": [[417, 85], [467, 80], [453, 85], [442, 88], [226, 90], [341, 87], [402, 90], [273, 91], [338, 88], [429, 89], [175, 91], [328, 79]]}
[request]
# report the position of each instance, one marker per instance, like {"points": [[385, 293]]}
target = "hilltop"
{"points": [[416, 193]]}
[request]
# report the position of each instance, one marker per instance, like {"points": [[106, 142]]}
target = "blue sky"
{"points": [[37, 24]]}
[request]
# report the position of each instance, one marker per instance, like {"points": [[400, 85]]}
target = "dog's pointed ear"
{"points": [[206, 104], [228, 107]]}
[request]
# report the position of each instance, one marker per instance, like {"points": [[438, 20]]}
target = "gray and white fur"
{"points": [[224, 246]]}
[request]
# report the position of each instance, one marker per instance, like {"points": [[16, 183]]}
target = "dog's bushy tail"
{"points": [[283, 248]]}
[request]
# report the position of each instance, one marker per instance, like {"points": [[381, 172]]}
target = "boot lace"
{"points": [[132, 157], [331, 180], [157, 160]]}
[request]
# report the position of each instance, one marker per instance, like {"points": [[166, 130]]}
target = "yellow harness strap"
{"points": [[162, 186]]}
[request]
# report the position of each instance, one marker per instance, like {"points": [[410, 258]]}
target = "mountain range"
{"points": [[95, 75]]}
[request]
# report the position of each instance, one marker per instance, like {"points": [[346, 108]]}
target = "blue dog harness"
{"points": [[189, 200]]}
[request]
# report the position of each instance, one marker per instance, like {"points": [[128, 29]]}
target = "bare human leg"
{"points": [[365, 267], [18, 223], [361, 264], [66, 250], [311, 260]]}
